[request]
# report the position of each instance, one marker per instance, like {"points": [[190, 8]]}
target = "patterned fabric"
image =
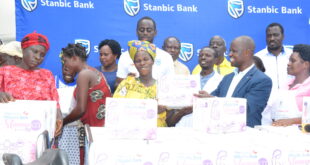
{"points": [[28, 84], [110, 77], [35, 39], [95, 110], [131, 87], [69, 143], [135, 46]]}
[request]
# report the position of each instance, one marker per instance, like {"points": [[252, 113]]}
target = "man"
{"points": [[276, 56], [246, 82], [11, 53], [209, 80], [163, 64], [173, 46], [222, 66]]}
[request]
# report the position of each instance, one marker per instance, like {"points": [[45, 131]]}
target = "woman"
{"points": [[110, 50], [90, 92], [298, 66], [143, 54], [26, 81]]}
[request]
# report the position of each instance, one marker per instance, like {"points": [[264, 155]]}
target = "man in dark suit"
{"points": [[246, 81]]}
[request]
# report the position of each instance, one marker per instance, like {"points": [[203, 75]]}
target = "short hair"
{"points": [[259, 63], [275, 24], [215, 53], [303, 50], [75, 50], [114, 45], [148, 18], [166, 40]]}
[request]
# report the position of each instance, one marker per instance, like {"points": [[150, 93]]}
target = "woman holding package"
{"points": [[143, 54], [299, 87], [90, 92], [26, 81]]}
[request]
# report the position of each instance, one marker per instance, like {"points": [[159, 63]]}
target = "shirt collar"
{"points": [[236, 70]]}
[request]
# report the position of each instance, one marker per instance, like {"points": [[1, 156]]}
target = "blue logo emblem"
{"points": [[29, 5], [186, 51], [235, 8], [84, 43], [132, 7]]}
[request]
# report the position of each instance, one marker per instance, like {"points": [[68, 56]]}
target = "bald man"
{"points": [[222, 66], [246, 81]]}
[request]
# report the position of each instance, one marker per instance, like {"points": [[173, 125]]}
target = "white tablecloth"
{"points": [[179, 146]]}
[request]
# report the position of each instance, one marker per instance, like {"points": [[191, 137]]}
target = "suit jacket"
{"points": [[255, 87]]}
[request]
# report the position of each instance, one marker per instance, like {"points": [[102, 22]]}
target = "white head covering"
{"points": [[12, 48]]}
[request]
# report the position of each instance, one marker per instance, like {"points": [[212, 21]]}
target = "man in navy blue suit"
{"points": [[246, 81]]}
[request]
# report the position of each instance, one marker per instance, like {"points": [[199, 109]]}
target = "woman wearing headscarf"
{"points": [[299, 87], [143, 54], [26, 81]]}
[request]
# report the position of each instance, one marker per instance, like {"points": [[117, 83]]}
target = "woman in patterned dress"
{"points": [[90, 92]]}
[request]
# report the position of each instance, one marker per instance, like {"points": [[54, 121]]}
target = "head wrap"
{"points": [[136, 45], [35, 39], [12, 48]]}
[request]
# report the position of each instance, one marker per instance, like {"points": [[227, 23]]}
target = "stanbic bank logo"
{"points": [[84, 43], [235, 8], [29, 5], [132, 7], [186, 51]]}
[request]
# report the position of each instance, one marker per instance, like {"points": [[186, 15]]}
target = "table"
{"points": [[185, 146]]}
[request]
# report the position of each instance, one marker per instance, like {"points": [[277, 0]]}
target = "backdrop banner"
{"points": [[194, 22]]}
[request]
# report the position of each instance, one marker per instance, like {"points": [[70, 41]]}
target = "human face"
{"points": [[218, 44], [143, 62], [107, 58], [274, 38], [296, 64], [173, 47], [146, 31], [68, 69], [33, 56], [207, 58], [236, 54]]}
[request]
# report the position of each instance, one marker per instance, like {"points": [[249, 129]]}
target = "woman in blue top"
{"points": [[109, 51]]}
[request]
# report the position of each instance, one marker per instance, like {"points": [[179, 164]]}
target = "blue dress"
{"points": [[110, 77]]}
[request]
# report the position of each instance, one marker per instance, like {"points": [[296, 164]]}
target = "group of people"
{"points": [[133, 74]]}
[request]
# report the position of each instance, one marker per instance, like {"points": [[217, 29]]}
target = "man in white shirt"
{"points": [[275, 56], [173, 46], [163, 64], [209, 80], [246, 82]]}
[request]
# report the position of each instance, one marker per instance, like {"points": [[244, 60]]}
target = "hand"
{"points": [[286, 122], [6, 97], [59, 126], [161, 109], [186, 110], [203, 94]]}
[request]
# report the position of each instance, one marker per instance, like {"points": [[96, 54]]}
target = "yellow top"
{"points": [[223, 69], [131, 87]]}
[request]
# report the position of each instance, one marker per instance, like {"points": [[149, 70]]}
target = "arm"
{"points": [[257, 98], [82, 87], [175, 115], [287, 122], [4, 97]]}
